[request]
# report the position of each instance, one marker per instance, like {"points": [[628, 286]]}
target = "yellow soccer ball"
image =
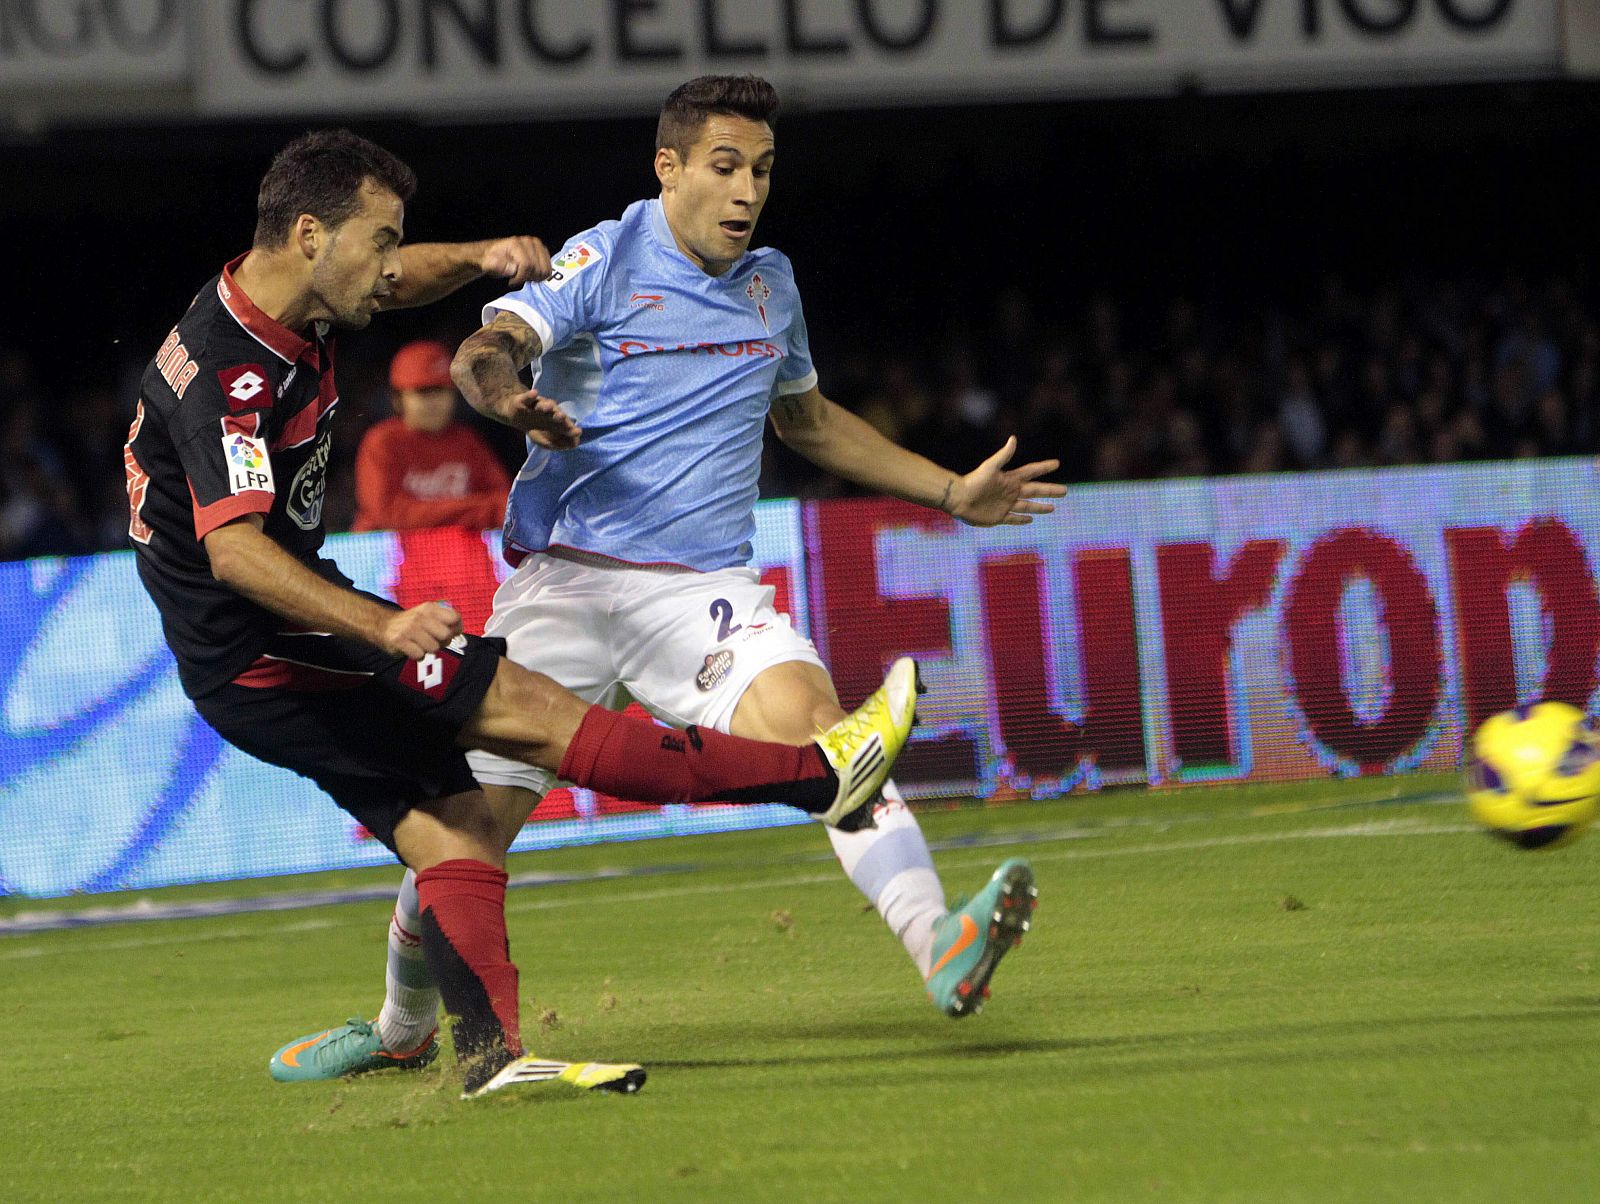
{"points": [[1533, 775]]}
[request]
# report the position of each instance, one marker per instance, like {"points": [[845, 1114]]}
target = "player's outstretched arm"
{"points": [[836, 440], [431, 270], [487, 369], [246, 559]]}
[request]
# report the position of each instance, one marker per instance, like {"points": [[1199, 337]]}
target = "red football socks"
{"points": [[634, 759], [463, 905]]}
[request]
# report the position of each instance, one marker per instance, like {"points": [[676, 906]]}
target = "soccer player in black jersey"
{"points": [[226, 470]]}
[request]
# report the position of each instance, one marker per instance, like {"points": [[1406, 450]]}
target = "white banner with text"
{"points": [[520, 57]]}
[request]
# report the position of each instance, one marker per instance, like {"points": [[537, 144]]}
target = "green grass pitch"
{"points": [[1330, 991]]}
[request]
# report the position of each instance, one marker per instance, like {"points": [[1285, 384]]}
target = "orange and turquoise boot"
{"points": [[352, 1048], [969, 942]]}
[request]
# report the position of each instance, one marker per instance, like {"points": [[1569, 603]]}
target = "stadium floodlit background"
{"points": [[1343, 241]]}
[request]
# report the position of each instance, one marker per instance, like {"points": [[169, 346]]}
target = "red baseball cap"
{"points": [[424, 364]]}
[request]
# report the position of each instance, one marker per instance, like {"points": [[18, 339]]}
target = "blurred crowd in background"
{"points": [[1407, 372]]}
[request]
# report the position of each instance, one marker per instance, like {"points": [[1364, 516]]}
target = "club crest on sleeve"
{"points": [[242, 385], [249, 466], [570, 262], [717, 667]]}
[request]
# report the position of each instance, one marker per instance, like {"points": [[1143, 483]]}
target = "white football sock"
{"points": [[891, 865], [411, 1001]]}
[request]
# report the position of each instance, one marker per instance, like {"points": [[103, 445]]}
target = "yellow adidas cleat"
{"points": [[862, 746], [622, 1077]]}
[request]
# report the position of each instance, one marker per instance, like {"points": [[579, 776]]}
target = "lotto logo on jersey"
{"points": [[569, 263], [433, 674], [242, 385], [249, 468]]}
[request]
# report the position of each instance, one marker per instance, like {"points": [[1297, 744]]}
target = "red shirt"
{"points": [[407, 479]]}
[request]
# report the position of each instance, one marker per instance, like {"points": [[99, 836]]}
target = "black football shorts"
{"points": [[377, 733]]}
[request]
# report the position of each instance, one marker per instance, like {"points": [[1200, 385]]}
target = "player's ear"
{"points": [[307, 234], [668, 165]]}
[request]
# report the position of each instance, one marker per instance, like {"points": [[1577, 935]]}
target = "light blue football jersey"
{"points": [[670, 372]]}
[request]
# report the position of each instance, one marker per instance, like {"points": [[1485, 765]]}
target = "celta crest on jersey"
{"points": [[758, 292]]}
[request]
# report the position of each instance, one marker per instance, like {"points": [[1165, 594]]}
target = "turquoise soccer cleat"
{"points": [[352, 1048], [969, 942]]}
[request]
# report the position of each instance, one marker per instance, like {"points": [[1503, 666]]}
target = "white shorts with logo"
{"points": [[684, 645]]}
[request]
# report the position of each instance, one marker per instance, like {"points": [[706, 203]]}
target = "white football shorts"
{"points": [[684, 645]]}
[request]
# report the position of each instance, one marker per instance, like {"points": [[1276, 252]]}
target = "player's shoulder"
{"points": [[771, 262], [589, 253], [186, 357], [216, 339], [621, 238], [197, 328], [601, 239], [209, 361]]}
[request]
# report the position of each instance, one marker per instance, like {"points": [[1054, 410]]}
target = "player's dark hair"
{"points": [[685, 112], [321, 173]]}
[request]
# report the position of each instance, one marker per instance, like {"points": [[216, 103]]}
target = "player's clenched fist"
{"points": [[519, 259], [423, 629]]}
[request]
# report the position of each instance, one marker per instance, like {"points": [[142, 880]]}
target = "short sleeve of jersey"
{"points": [[571, 301], [796, 372], [224, 454]]}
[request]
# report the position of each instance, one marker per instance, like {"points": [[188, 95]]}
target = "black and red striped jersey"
{"points": [[234, 418]]}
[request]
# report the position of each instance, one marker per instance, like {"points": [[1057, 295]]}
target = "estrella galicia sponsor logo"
{"points": [[310, 486], [717, 667]]}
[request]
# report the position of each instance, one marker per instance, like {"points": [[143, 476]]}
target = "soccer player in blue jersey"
{"points": [[671, 344]]}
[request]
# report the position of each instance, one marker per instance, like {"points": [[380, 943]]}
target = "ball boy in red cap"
{"points": [[423, 468]]}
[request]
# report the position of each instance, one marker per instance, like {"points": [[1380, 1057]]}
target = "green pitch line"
{"points": [[151, 906]]}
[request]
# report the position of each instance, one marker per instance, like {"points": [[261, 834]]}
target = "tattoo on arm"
{"points": [[797, 412], [488, 361], [792, 408], [944, 500], [508, 335]]}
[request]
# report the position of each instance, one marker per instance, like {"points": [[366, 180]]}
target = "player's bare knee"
{"points": [[446, 829]]}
